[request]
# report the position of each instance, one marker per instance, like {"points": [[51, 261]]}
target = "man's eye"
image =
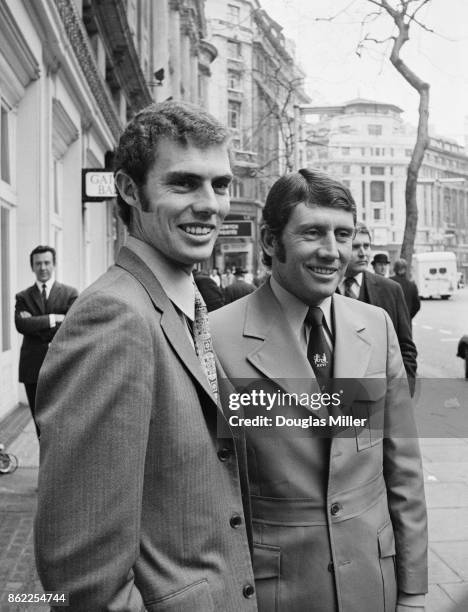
{"points": [[184, 184], [344, 235], [221, 186]]}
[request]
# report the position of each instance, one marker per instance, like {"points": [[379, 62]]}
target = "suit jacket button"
{"points": [[248, 591], [235, 521], [335, 508], [224, 454]]}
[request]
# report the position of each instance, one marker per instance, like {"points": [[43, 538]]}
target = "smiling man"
{"points": [[140, 504], [339, 522]]}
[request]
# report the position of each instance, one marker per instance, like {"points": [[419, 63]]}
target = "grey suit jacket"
{"points": [[339, 525], [139, 499]]}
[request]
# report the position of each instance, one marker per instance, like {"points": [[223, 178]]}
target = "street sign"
{"points": [[236, 229], [97, 185]]}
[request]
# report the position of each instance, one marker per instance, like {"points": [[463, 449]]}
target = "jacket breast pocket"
{"points": [[266, 567], [195, 597], [369, 406], [386, 541]]}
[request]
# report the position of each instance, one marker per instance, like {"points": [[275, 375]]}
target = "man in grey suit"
{"points": [[140, 502], [339, 520], [39, 312]]}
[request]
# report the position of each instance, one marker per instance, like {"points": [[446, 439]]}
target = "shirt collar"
{"points": [[48, 285], [357, 280], [295, 310], [175, 281]]}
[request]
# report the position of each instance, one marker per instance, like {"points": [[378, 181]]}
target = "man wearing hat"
{"points": [[380, 263]]}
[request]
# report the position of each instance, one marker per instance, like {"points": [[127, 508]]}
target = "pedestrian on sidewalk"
{"points": [[140, 502], [39, 312]]}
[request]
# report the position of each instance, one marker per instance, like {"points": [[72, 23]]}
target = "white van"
{"points": [[435, 274]]}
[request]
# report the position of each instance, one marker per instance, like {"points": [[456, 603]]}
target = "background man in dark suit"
{"points": [[39, 312], [140, 501], [238, 288], [410, 290], [379, 291]]}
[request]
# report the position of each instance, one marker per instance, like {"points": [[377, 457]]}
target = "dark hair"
{"points": [[180, 122], [400, 265], [308, 186], [361, 228], [42, 248]]}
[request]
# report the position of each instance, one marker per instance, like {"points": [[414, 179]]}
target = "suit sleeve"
{"points": [[33, 325], [94, 405], [403, 475], [405, 336]]}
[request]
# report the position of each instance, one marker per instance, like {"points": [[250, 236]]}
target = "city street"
{"points": [[437, 328]]}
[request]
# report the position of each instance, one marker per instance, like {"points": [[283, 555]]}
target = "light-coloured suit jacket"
{"points": [[139, 502], [340, 524]]}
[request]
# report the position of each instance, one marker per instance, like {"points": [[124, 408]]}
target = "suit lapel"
{"points": [[53, 296], [352, 340], [171, 323], [371, 289], [278, 355]]}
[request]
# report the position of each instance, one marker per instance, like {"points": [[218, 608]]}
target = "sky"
{"points": [[326, 50]]}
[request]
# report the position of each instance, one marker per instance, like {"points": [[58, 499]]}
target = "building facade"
{"points": [[367, 145], [255, 88], [72, 72]]}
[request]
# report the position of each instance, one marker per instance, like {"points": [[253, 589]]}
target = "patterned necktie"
{"points": [[203, 342], [44, 297], [350, 287], [319, 353]]}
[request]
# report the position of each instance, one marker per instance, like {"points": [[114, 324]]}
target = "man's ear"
{"points": [[268, 241], [127, 188]]}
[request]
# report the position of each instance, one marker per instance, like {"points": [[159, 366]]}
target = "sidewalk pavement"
{"points": [[446, 479]]}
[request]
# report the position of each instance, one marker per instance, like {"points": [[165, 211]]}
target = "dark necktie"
{"points": [[44, 297], [350, 287], [203, 342], [319, 353]]}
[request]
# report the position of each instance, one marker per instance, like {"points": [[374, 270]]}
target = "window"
{"points": [[363, 169], [345, 150], [237, 188], [233, 13], [233, 49], [374, 130], [377, 191], [377, 214], [345, 129], [234, 109], [5, 147], [363, 151], [234, 81], [377, 170], [363, 191], [391, 152], [5, 265]]}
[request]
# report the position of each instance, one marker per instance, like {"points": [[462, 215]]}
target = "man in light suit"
{"points": [[140, 502], [339, 521], [39, 312], [379, 291]]}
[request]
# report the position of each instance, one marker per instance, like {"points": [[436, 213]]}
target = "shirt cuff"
{"points": [[52, 321], [411, 601]]}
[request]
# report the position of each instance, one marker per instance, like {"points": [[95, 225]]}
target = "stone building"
{"points": [[255, 88], [72, 72], [367, 145]]}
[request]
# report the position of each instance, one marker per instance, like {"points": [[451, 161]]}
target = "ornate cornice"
{"points": [[80, 44], [15, 48]]}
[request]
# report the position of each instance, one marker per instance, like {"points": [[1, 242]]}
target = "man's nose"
{"points": [[206, 200], [329, 247]]}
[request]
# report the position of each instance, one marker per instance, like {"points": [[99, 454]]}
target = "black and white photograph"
{"points": [[234, 305]]}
